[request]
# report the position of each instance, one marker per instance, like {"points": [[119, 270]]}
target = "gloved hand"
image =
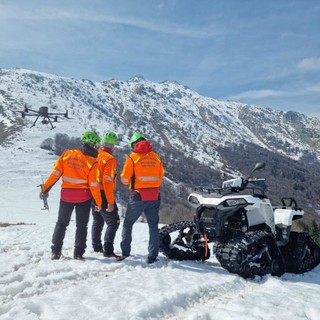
{"points": [[43, 195]]}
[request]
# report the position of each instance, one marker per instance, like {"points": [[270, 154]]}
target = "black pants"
{"points": [[112, 220], [82, 219]]}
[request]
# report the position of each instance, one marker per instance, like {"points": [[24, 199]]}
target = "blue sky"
{"points": [[253, 51]]}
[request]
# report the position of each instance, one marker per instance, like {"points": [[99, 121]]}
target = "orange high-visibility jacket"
{"points": [[142, 171], [108, 174], [78, 171]]}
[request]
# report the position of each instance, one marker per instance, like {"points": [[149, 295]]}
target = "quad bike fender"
{"points": [[261, 214], [285, 216]]}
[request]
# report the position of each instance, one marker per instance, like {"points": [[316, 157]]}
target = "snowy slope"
{"points": [[34, 287]]}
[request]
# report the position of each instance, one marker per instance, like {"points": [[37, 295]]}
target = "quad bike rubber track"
{"points": [[301, 254], [181, 248], [254, 254]]}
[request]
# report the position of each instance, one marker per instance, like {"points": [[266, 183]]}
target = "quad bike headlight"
{"points": [[235, 202], [193, 200]]}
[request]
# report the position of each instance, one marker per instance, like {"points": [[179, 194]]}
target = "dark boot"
{"points": [[78, 257], [55, 255]]}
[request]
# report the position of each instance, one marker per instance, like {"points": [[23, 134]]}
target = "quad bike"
{"points": [[250, 237]]}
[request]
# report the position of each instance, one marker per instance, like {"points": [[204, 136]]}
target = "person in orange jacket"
{"points": [[80, 183], [142, 173], [109, 210]]}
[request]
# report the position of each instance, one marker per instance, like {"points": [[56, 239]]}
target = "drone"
{"points": [[44, 113]]}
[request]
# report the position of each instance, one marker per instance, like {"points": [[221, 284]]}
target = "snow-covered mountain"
{"points": [[168, 112], [198, 137]]}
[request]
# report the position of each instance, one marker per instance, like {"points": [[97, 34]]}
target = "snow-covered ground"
{"points": [[34, 287]]}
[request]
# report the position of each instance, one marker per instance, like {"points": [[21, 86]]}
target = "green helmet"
{"points": [[109, 138], [90, 137], [135, 137]]}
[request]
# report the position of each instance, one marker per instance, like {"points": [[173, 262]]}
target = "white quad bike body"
{"points": [[250, 237]]}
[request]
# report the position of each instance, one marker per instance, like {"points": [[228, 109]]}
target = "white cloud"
{"points": [[309, 64], [67, 15], [258, 94], [167, 28], [314, 88], [269, 93]]}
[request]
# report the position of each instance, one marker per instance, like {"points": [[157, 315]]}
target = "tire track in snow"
{"points": [[33, 279], [214, 297], [181, 296]]}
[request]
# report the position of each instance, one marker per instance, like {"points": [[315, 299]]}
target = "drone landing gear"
{"points": [[44, 121]]}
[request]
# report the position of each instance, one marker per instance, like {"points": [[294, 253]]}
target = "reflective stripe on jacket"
{"points": [[108, 174], [78, 171], [142, 171]]}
